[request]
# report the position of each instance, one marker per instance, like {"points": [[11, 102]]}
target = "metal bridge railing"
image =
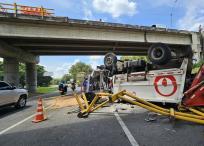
{"points": [[26, 10]]}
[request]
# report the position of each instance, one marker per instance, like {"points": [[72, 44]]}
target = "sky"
{"points": [[186, 14]]}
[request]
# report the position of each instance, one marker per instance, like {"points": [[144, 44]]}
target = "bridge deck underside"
{"points": [[80, 47]]}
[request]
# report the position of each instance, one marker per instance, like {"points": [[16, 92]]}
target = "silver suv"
{"points": [[9, 95]]}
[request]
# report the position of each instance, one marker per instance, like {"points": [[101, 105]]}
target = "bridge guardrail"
{"points": [[27, 10]]}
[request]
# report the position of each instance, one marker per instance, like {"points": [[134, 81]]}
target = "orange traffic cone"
{"points": [[39, 117]]}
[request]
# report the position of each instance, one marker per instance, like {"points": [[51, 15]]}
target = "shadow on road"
{"points": [[93, 132], [106, 131], [6, 111]]}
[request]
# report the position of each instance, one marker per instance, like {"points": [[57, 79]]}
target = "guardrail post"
{"points": [[15, 9]]}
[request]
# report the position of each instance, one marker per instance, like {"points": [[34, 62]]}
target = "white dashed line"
{"points": [[17, 124], [13, 126], [126, 130]]}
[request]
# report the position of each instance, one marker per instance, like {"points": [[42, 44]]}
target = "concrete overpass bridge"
{"points": [[23, 38]]}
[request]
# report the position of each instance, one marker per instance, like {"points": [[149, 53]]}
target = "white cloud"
{"points": [[1, 59], [193, 15], [62, 69], [193, 12], [88, 15], [94, 64], [116, 8], [94, 57], [94, 61]]}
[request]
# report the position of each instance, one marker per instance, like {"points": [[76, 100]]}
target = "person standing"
{"points": [[73, 85], [88, 89]]}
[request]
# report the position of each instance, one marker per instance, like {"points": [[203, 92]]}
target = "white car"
{"points": [[10, 95]]}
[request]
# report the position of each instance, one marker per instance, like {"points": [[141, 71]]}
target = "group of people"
{"points": [[88, 87]]}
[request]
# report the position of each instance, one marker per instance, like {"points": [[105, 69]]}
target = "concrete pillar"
{"points": [[196, 46], [202, 43], [11, 71], [31, 77]]}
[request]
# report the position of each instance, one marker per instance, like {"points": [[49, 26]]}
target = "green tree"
{"points": [[133, 58], [79, 67], [41, 79], [66, 77], [196, 66], [55, 81]]}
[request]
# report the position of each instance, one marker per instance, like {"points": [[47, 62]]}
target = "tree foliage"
{"points": [[55, 81], [133, 58], [66, 78], [196, 66], [79, 67], [41, 80]]}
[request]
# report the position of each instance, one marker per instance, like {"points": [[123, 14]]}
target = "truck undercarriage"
{"points": [[163, 79]]}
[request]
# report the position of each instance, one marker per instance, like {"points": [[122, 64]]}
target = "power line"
{"points": [[171, 14]]}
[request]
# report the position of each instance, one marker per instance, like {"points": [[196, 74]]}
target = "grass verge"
{"points": [[44, 90]]}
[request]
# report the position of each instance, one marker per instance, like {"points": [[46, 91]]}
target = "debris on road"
{"points": [[151, 116], [61, 102]]}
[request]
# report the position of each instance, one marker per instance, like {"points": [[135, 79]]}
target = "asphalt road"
{"points": [[100, 128]]}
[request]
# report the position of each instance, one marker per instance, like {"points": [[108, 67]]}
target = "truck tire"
{"points": [[21, 101], [159, 54], [110, 60]]}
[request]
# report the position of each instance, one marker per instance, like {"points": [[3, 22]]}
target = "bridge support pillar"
{"points": [[31, 77], [11, 71], [197, 46]]}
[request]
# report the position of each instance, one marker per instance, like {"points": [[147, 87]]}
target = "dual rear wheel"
{"points": [[158, 53]]}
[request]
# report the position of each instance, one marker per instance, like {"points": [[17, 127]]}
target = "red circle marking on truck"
{"points": [[164, 83]]}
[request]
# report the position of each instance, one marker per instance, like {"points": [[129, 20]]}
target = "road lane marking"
{"points": [[126, 130], [13, 126], [17, 124]]}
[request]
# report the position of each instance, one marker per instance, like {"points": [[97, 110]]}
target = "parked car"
{"points": [[10, 95]]}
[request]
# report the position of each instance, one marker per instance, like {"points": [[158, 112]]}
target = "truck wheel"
{"points": [[110, 59], [159, 54], [21, 102]]}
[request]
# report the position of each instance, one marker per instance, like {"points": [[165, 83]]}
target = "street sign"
{"points": [[33, 11]]}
